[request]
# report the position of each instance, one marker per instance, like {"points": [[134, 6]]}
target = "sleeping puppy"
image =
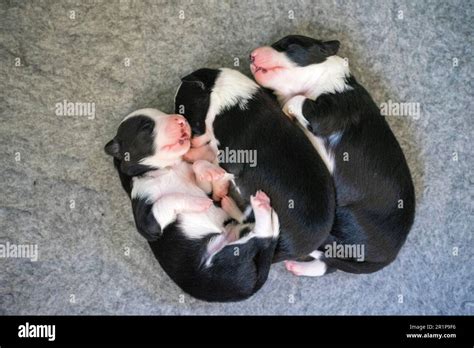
{"points": [[230, 113], [374, 189], [210, 252]]}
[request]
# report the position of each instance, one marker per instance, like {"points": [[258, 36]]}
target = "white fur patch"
{"points": [[164, 213], [314, 80], [315, 268], [156, 185], [327, 77], [230, 88], [317, 254], [294, 108]]}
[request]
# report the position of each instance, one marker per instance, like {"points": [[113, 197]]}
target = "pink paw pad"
{"points": [[212, 174], [293, 267], [202, 204], [261, 201], [226, 203], [220, 189]]}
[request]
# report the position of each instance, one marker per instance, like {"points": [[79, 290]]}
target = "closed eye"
{"points": [[147, 127]]}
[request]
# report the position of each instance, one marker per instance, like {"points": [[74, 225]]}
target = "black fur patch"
{"points": [[233, 276], [305, 51], [198, 84], [133, 142]]}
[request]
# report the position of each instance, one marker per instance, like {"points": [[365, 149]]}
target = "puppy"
{"points": [[230, 112], [210, 252], [374, 189]]}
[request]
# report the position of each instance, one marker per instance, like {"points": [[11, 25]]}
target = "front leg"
{"points": [[267, 224], [200, 153], [231, 208], [167, 207], [145, 221], [325, 116], [220, 188], [293, 108], [209, 173]]}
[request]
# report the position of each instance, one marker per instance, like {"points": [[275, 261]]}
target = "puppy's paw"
{"points": [[220, 189], [192, 155], [315, 268], [206, 171], [294, 106], [199, 204], [260, 202], [228, 204]]}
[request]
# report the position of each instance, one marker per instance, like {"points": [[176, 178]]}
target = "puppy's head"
{"points": [[194, 96], [210, 91], [149, 139], [273, 66]]}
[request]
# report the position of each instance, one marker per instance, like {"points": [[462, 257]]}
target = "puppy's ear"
{"points": [[331, 47], [193, 79], [204, 78], [112, 148], [133, 169]]}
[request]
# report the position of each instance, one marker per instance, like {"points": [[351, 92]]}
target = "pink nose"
{"points": [[180, 120], [253, 55], [260, 54]]}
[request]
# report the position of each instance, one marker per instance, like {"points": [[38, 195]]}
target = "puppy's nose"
{"points": [[180, 121]]}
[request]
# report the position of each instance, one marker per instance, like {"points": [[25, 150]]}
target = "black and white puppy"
{"points": [[209, 251], [231, 113], [374, 190]]}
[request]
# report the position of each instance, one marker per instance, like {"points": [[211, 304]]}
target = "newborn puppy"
{"points": [[231, 113], [210, 252], [374, 189]]}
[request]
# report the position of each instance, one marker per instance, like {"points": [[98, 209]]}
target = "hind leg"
{"points": [[231, 208], [314, 268], [266, 220]]}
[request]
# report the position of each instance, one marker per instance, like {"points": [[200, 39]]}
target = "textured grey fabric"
{"points": [[60, 191]]}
